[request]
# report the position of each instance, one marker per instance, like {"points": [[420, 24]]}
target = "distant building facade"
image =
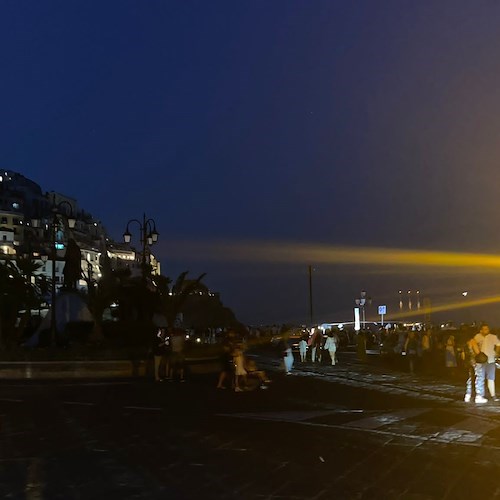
{"points": [[25, 230]]}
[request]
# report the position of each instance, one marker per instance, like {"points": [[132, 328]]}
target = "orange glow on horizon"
{"points": [[287, 253], [452, 306]]}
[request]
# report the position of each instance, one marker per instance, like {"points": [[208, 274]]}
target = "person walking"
{"points": [[287, 354], [316, 345], [488, 343], [303, 349], [240, 373], [331, 347]]}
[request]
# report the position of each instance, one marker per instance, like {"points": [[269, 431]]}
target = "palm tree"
{"points": [[17, 292], [173, 300], [29, 269]]}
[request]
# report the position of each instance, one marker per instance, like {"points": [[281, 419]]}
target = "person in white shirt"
{"points": [[331, 347], [488, 343], [303, 349]]}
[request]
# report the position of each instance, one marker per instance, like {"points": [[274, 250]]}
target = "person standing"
{"points": [[410, 349], [476, 376], [226, 361], [425, 346], [488, 343], [331, 347], [361, 346], [177, 361], [449, 353], [160, 355]]}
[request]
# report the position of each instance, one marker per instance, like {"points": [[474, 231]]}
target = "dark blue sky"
{"points": [[334, 122]]}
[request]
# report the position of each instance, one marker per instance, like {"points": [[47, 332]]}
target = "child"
{"points": [[239, 368], [288, 360], [303, 349]]}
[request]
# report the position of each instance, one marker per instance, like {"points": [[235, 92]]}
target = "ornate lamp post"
{"points": [[362, 302], [148, 237], [57, 215]]}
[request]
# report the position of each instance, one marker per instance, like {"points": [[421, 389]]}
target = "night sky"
{"points": [[334, 123]]}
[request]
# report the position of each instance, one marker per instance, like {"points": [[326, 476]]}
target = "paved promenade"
{"points": [[351, 431]]}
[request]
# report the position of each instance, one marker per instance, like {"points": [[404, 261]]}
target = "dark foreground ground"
{"points": [[352, 431]]}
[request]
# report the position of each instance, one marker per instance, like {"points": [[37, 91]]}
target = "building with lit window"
{"points": [[22, 201]]}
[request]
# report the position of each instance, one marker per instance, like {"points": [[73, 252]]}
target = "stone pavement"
{"points": [[319, 434]]}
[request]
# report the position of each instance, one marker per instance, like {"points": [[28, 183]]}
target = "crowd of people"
{"points": [[470, 353], [310, 347], [427, 351]]}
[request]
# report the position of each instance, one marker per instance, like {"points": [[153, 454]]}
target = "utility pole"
{"points": [[311, 315]]}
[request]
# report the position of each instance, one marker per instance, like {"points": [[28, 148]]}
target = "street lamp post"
{"points": [[57, 213], [149, 236], [362, 301]]}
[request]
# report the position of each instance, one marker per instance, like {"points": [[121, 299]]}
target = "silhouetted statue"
{"points": [[73, 265]]}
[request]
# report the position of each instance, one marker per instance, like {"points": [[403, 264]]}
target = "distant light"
{"points": [[357, 322]]}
